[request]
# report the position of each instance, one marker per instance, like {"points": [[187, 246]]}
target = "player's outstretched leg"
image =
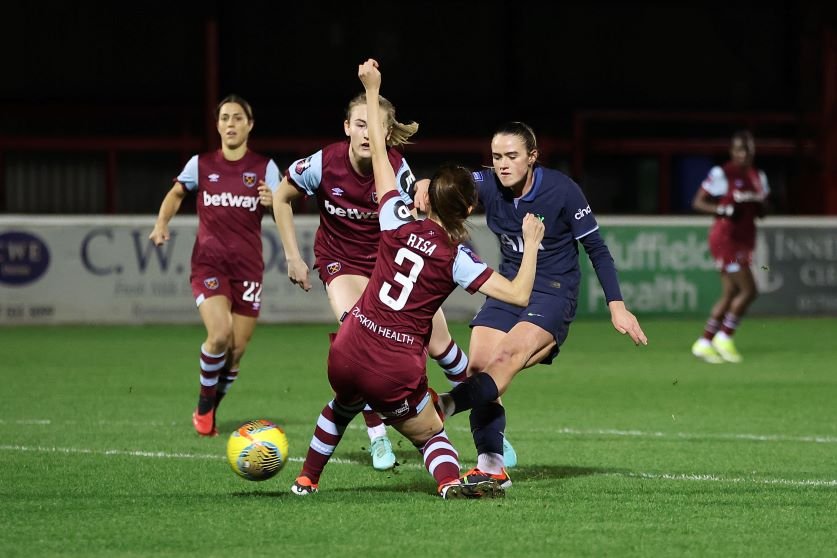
{"points": [[331, 425]]}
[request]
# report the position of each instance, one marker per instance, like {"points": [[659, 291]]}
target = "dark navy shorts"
{"points": [[550, 313]]}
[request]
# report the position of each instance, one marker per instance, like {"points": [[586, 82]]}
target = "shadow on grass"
{"points": [[537, 473]]}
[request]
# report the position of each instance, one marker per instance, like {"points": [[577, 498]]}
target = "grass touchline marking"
{"points": [[141, 453], [639, 475], [814, 439]]}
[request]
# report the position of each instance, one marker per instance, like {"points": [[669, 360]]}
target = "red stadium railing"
{"points": [[658, 135]]}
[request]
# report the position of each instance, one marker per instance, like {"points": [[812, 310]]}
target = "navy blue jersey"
{"points": [[567, 218]]}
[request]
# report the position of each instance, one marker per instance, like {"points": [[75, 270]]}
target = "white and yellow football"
{"points": [[257, 450]]}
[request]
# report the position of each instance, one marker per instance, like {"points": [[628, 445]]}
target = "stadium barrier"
{"points": [[96, 269]]}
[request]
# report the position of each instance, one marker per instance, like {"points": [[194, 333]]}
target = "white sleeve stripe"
{"points": [[579, 237]]}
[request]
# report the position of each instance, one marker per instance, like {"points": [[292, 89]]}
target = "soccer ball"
{"points": [[257, 450]]}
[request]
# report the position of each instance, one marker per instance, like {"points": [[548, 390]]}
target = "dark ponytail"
{"points": [[453, 194]]}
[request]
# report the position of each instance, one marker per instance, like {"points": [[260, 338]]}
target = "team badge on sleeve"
{"points": [[211, 283], [473, 255], [333, 268], [249, 179], [302, 164]]}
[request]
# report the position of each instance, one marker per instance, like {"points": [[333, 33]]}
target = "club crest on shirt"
{"points": [[302, 164], [249, 179], [333, 268], [211, 283]]}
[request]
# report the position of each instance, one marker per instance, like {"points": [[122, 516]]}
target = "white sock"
{"points": [[376, 432], [704, 342], [721, 336], [491, 463]]}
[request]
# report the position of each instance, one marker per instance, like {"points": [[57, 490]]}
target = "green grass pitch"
{"points": [[624, 451]]}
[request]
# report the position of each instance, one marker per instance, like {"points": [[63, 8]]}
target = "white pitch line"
{"points": [[339, 461], [140, 453], [809, 439], [715, 478]]}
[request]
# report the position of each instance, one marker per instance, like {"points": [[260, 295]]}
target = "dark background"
{"points": [[155, 70]]}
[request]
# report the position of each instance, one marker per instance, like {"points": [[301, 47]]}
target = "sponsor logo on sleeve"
{"points": [[582, 213], [402, 211], [408, 184]]}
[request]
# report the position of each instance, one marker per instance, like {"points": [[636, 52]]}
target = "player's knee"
{"points": [[505, 356]]}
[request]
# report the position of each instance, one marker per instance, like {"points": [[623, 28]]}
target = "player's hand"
{"points": [[298, 273], [626, 323], [369, 74], [533, 229], [159, 235], [421, 198], [265, 195]]}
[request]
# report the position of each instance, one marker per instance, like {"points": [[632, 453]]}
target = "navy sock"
{"points": [[488, 422], [477, 390]]}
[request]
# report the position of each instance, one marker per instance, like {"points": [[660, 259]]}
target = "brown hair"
{"points": [[399, 133], [523, 131], [233, 98], [452, 194]]}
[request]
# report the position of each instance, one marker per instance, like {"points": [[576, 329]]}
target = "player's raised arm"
{"points": [[370, 76]]}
